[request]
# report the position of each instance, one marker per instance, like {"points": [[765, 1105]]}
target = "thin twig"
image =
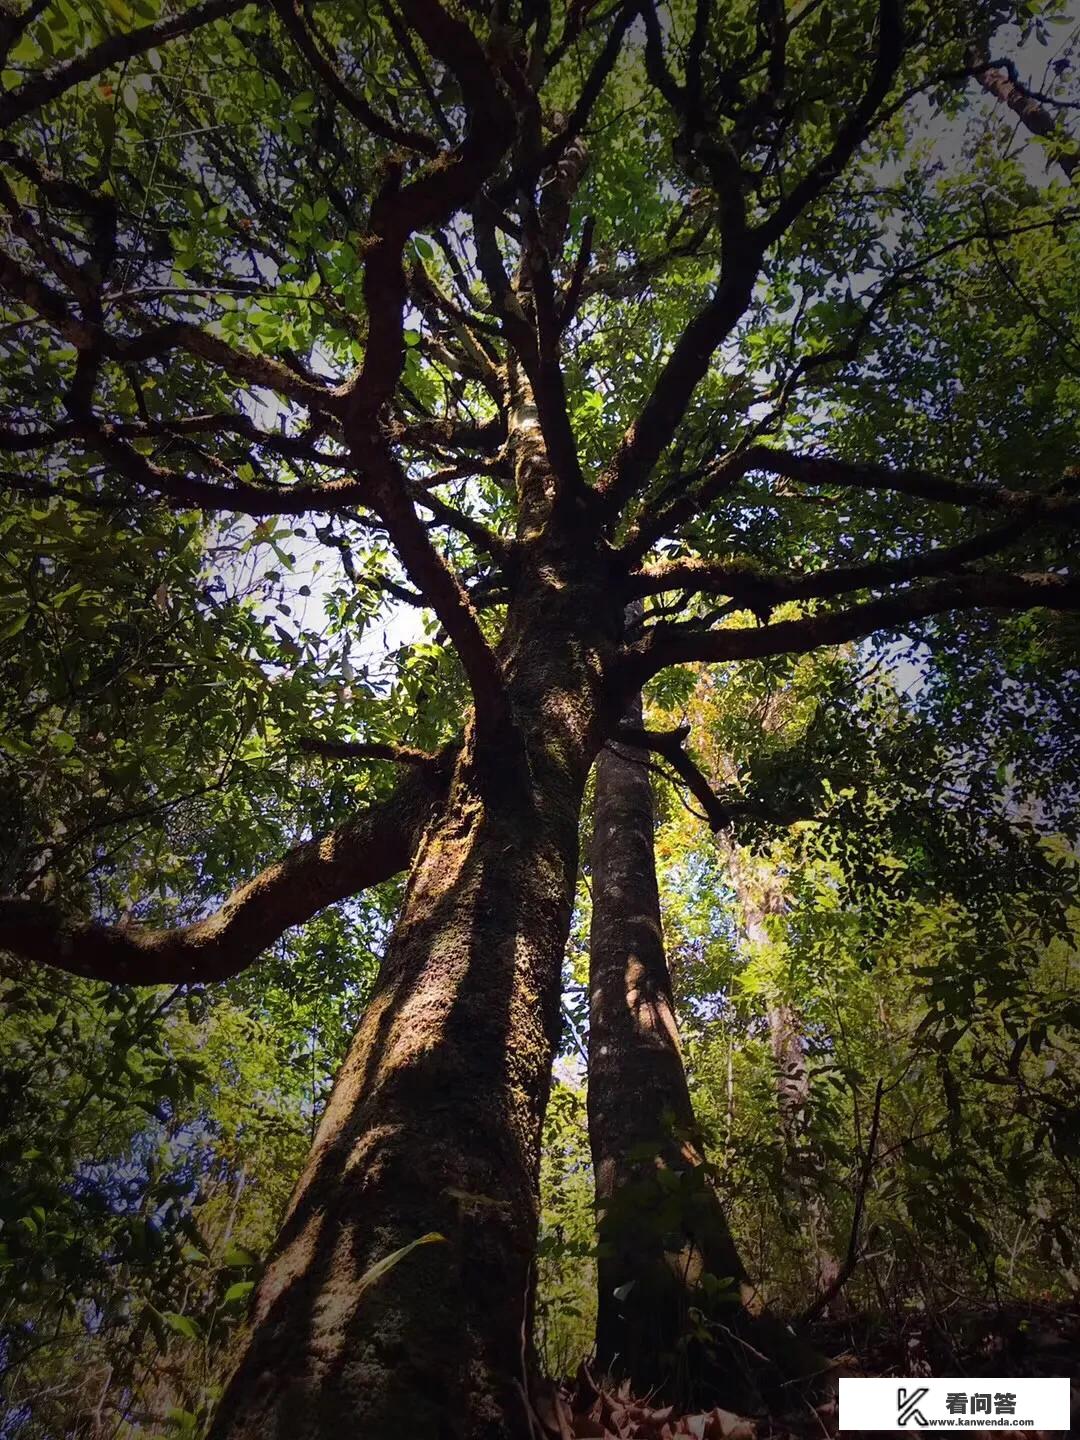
{"points": [[852, 1258]]}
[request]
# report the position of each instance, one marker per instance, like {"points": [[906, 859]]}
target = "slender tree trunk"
{"points": [[760, 897], [803, 1160], [662, 1226]]}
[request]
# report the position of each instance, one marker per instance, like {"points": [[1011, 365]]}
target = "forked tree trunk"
{"points": [[661, 1224], [434, 1122]]}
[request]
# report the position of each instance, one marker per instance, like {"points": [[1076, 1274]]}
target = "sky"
{"points": [[318, 569]]}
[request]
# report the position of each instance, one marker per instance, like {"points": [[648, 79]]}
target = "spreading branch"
{"points": [[47, 86], [391, 499], [828, 470], [371, 847], [366, 750], [190, 491], [428, 200], [681, 644], [293, 18], [760, 589], [652, 431], [852, 133], [670, 745]]}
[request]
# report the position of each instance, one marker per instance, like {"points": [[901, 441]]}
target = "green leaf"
{"points": [[182, 1325], [237, 1257]]}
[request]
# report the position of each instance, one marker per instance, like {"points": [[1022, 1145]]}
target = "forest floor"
{"points": [[1014, 1339]]}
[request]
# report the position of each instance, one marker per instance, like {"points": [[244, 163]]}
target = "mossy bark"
{"points": [[661, 1321], [662, 1226]]}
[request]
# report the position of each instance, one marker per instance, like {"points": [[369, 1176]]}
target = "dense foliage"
{"points": [[263, 512]]}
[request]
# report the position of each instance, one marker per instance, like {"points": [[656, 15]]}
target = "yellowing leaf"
{"points": [[123, 12], [379, 1269]]}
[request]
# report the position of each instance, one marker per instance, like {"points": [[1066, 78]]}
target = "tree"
{"points": [[271, 263], [925, 933], [662, 1228]]}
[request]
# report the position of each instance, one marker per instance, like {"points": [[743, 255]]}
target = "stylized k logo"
{"points": [[907, 1403]]}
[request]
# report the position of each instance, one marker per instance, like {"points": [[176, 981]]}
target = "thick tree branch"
{"points": [[545, 233], [428, 200], [670, 745], [158, 341], [196, 492], [908, 480], [659, 418], [213, 424], [49, 84], [764, 589], [591, 88], [14, 23], [371, 847], [439, 435], [890, 52], [655, 64], [682, 644], [366, 750], [475, 531], [44, 300], [260, 370], [999, 79], [292, 16], [391, 499]]}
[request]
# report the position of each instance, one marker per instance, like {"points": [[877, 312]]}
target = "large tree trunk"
{"points": [[433, 1125], [662, 1226], [435, 1119]]}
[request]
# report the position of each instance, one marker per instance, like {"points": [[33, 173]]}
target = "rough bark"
{"points": [[661, 1221], [434, 1122], [433, 1125]]}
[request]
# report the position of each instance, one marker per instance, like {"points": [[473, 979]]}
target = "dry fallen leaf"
{"points": [[620, 1416], [723, 1425]]}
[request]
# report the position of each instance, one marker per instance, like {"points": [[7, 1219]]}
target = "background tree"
{"points": [[661, 1224], [271, 264], [922, 933]]}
